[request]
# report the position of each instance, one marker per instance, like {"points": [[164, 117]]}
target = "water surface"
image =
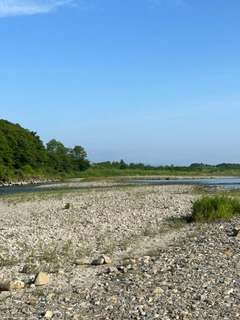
{"points": [[217, 183], [214, 183]]}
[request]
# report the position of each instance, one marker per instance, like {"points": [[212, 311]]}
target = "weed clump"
{"points": [[67, 206], [214, 208]]}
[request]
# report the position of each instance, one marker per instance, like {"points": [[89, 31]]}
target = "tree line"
{"points": [[141, 166], [23, 154]]}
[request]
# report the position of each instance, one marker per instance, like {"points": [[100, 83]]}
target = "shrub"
{"points": [[214, 208], [67, 206]]}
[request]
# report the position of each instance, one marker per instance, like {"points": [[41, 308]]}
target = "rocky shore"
{"points": [[20, 182], [113, 253]]}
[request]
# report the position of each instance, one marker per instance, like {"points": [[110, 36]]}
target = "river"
{"points": [[211, 184], [215, 183]]}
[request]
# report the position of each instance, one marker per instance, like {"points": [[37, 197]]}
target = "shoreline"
{"points": [[25, 182]]}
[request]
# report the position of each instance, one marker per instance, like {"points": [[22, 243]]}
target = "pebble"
{"points": [[145, 272]]}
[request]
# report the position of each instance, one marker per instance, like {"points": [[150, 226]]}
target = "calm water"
{"points": [[218, 183], [34, 188]]}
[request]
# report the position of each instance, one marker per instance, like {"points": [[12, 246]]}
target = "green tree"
{"points": [[6, 155], [22, 154], [59, 159], [79, 155], [20, 147]]}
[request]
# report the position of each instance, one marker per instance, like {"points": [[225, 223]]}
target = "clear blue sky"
{"points": [[152, 81]]}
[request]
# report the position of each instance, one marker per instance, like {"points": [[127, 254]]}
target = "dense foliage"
{"points": [[214, 208], [22, 154]]}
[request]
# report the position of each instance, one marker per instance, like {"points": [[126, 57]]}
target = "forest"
{"points": [[23, 156]]}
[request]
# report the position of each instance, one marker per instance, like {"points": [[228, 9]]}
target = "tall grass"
{"points": [[214, 208]]}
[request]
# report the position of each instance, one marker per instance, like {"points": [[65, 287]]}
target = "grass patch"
{"points": [[148, 231], [178, 223], [214, 208], [209, 208], [39, 292], [8, 261]]}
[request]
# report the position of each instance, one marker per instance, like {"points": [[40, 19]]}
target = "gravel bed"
{"points": [[155, 270]]}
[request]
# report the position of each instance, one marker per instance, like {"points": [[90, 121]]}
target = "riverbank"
{"points": [[20, 182], [156, 272]]}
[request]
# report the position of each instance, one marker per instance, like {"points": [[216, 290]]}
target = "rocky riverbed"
{"points": [[113, 253]]}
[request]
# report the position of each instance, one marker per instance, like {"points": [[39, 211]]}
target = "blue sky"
{"points": [[152, 81]]}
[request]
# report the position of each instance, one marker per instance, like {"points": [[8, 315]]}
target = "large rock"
{"points": [[97, 262], [107, 260], [101, 260], [18, 284], [41, 279], [8, 284]]}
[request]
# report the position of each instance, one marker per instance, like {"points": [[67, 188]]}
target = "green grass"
{"points": [[177, 223], [67, 206], [214, 208], [8, 261]]}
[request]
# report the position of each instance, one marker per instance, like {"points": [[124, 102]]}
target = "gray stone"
{"points": [[99, 261]]}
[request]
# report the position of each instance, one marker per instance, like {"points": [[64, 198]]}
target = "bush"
{"points": [[67, 206], [214, 208]]}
